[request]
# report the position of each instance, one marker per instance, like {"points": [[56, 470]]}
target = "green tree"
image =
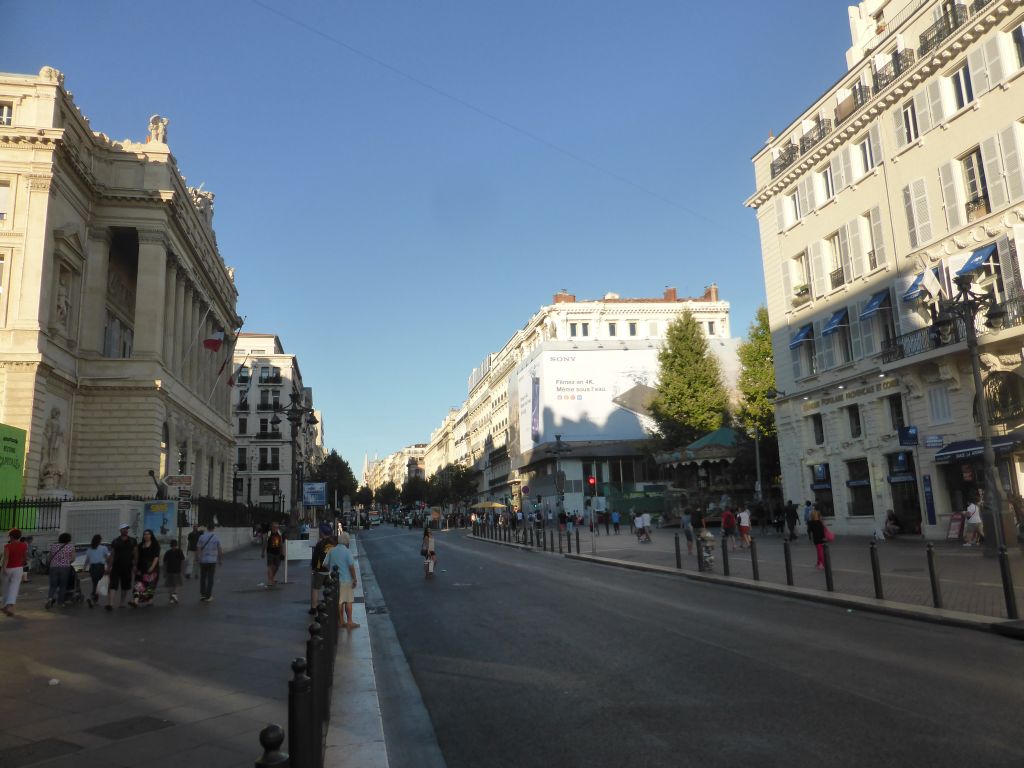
{"points": [[415, 489], [387, 495], [363, 497], [337, 473], [691, 399], [451, 484], [757, 378]]}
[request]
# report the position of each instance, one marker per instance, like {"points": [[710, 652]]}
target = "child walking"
{"points": [[174, 558]]}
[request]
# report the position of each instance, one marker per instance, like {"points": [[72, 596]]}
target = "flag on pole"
{"points": [[214, 342]]}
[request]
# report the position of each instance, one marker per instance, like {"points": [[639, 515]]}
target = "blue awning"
{"points": [[966, 449], [801, 336], [977, 260], [874, 304], [915, 290], [834, 323]]}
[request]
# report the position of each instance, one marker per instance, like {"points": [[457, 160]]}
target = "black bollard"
{"points": [[300, 716], [725, 557], [753, 561], [551, 540], [317, 669], [1008, 593], [829, 585], [559, 542], [679, 555], [543, 540], [271, 739], [577, 541], [789, 561], [934, 577], [529, 533], [876, 571], [700, 553]]}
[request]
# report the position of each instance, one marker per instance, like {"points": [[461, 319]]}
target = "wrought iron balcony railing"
{"points": [[976, 208], [268, 406], [816, 134], [269, 466], [903, 60], [268, 435], [946, 25], [270, 378], [785, 159], [861, 94], [837, 277], [900, 63]]}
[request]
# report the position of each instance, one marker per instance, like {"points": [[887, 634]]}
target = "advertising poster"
{"points": [[12, 462], [314, 494], [158, 516]]}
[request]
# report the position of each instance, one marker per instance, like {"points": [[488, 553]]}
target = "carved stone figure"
{"points": [[52, 75], [158, 129], [64, 301], [54, 458], [203, 202]]}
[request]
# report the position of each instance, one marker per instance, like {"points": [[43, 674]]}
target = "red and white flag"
{"points": [[214, 342]]}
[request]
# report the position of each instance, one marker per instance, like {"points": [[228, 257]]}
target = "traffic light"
{"points": [[592, 485]]}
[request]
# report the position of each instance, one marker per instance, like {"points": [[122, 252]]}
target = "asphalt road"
{"points": [[525, 659]]}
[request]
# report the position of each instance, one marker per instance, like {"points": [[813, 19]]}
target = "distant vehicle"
{"points": [[374, 518]]}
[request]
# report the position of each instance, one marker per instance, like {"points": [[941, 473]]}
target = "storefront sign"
{"points": [[851, 394], [929, 499], [908, 436], [821, 486], [901, 478], [934, 441], [858, 483], [956, 527], [820, 472]]}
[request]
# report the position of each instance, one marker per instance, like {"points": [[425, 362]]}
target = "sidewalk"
{"points": [[191, 684], [969, 581]]}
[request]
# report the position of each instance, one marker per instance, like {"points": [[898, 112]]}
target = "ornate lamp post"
{"points": [[297, 415], [558, 449], [954, 312]]}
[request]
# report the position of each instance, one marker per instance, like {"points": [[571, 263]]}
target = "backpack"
{"points": [[328, 545], [728, 519]]}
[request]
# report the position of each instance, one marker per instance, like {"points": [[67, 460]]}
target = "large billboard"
{"points": [[12, 461], [597, 394]]}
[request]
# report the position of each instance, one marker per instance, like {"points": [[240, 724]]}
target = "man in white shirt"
{"points": [[975, 530], [210, 556], [743, 519]]}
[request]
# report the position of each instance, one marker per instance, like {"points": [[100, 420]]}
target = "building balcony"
{"points": [[949, 23], [270, 466], [242, 407], [861, 95], [268, 407], [270, 379], [837, 278], [241, 467], [785, 159], [976, 209], [815, 135], [268, 435]]}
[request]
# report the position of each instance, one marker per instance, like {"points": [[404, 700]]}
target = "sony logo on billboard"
{"points": [[560, 359]]}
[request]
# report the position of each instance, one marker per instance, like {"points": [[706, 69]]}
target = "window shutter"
{"points": [[951, 197], [858, 254], [875, 139], [866, 329], [787, 282], [844, 254], [801, 197], [993, 163], [828, 347], [877, 236], [795, 355], [847, 160], [838, 180], [978, 69], [820, 343], [936, 103], [924, 112], [1009, 267], [908, 208], [922, 216], [1010, 143], [995, 59], [855, 341], [780, 213], [818, 275], [899, 128], [811, 183]]}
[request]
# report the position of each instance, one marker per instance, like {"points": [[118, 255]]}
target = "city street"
{"points": [[529, 659]]}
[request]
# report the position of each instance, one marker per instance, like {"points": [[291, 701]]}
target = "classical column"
{"points": [[149, 294], [179, 320], [195, 339], [94, 293], [170, 295], [186, 333]]}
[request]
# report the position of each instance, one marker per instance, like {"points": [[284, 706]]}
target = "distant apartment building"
{"points": [[903, 176]]}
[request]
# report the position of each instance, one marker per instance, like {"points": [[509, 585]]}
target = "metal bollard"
{"points": [[543, 540], [551, 538], [577, 541], [679, 555], [1008, 593], [300, 716], [787, 551], [934, 577], [876, 571], [829, 585], [725, 557], [271, 739], [559, 542], [755, 569], [317, 674], [700, 553], [529, 532]]}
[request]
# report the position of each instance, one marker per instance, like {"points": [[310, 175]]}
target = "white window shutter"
{"points": [[1016, 249], [787, 282], [801, 197], [908, 208], [821, 343], [951, 197], [877, 235], [936, 101], [818, 274], [780, 213], [858, 253], [844, 254], [838, 180], [795, 355], [875, 140], [855, 343], [924, 112], [866, 329], [993, 163], [812, 192], [922, 214], [847, 160], [997, 57], [899, 128], [978, 67], [1013, 169], [1010, 268], [829, 349]]}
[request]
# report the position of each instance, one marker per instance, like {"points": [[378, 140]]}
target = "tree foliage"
{"points": [[387, 494], [363, 497], [757, 377], [413, 490], [691, 399], [452, 484], [337, 473]]}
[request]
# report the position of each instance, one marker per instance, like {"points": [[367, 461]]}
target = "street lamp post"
{"points": [[963, 308], [558, 449], [297, 415]]}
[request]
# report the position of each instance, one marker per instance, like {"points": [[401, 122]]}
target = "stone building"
{"points": [[111, 280], [900, 179]]}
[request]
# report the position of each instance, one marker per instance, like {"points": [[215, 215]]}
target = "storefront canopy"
{"points": [[977, 260], [801, 336], [874, 304], [965, 449], [837, 321]]}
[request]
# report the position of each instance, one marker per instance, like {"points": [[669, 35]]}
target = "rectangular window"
{"points": [[867, 158], [834, 259], [1018, 44], [859, 486], [611, 329], [6, 113], [909, 115], [632, 329], [818, 426], [240, 459], [264, 426], [243, 375], [974, 184], [963, 94], [826, 183], [584, 329], [5, 200], [243, 425], [711, 327], [572, 329], [896, 411], [269, 486], [794, 207], [802, 270], [842, 344], [939, 409], [853, 414]]}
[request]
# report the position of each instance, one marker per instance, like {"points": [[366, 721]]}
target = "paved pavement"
{"points": [[969, 581], [187, 685], [525, 660]]}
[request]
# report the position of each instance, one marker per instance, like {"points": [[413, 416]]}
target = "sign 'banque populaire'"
{"points": [[850, 394]]}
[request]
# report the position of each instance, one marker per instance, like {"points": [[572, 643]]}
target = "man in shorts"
{"points": [[124, 555], [342, 558], [273, 550]]}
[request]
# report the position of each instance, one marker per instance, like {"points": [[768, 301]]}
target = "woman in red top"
{"points": [[14, 556]]}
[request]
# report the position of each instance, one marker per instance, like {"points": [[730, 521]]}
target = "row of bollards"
{"points": [[309, 692]]}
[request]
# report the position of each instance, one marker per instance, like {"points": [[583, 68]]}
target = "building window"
{"points": [[826, 183], [5, 200], [962, 91], [974, 182], [859, 486], [818, 426], [793, 204], [1018, 44], [834, 246], [939, 410], [6, 113], [269, 486], [243, 375], [611, 329], [584, 329], [632, 329], [243, 425], [118, 338], [853, 414], [264, 426], [910, 132], [711, 327], [572, 329], [896, 411], [867, 158], [802, 274], [240, 459]]}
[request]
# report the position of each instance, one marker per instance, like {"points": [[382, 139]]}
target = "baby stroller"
{"points": [[73, 595]]}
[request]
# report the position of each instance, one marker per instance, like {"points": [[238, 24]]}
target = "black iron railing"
{"points": [[976, 208], [269, 466], [903, 60], [816, 134], [270, 379], [837, 277], [872, 259], [269, 435], [949, 23], [785, 159], [861, 94], [268, 406]]}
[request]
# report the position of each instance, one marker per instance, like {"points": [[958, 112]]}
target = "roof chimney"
{"points": [[670, 294], [564, 297]]}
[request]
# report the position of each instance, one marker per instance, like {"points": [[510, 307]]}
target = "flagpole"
{"points": [[200, 333], [231, 353]]}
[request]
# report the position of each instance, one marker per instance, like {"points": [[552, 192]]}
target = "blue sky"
{"points": [[396, 211]]}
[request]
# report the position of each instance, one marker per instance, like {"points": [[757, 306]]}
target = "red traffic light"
{"points": [[591, 480]]}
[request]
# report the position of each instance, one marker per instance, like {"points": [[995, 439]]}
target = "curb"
{"points": [[885, 607]]}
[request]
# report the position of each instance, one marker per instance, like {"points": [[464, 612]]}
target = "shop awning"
{"points": [[801, 336], [965, 449], [837, 321], [977, 260], [874, 304], [915, 290]]}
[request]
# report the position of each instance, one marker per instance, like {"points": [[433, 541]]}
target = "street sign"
{"points": [[526, 490], [934, 441], [177, 481]]}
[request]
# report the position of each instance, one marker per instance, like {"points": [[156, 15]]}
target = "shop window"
{"points": [[821, 486], [896, 411], [1004, 395], [853, 414]]}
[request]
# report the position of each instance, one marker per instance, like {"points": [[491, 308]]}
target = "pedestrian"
{"points": [[636, 524], [341, 557], [807, 518], [816, 530], [792, 518], [975, 530], [616, 522], [12, 566], [174, 558], [686, 522], [147, 570], [62, 557], [744, 522], [646, 517], [124, 552], [192, 554], [96, 557], [562, 520], [429, 552], [318, 564], [729, 529], [273, 550], [210, 556]]}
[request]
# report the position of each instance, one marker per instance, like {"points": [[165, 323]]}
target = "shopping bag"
{"points": [[103, 586]]}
